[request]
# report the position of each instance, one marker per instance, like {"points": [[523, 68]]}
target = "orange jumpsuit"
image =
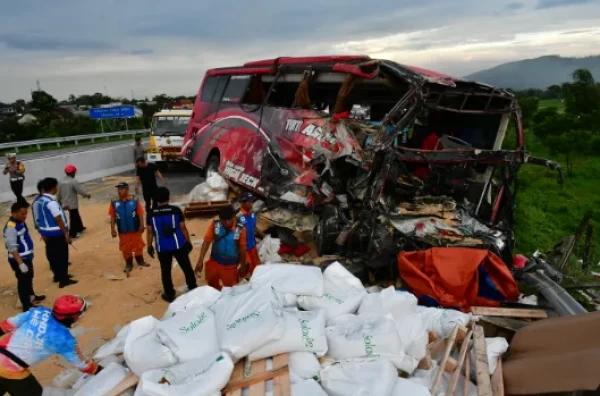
{"points": [[220, 273], [131, 244]]}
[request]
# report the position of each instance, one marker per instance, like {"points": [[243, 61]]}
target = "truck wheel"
{"points": [[327, 231]]}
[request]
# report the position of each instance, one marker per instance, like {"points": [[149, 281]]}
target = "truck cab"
{"points": [[166, 136]]}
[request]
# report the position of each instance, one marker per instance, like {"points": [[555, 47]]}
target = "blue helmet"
{"points": [[247, 196]]}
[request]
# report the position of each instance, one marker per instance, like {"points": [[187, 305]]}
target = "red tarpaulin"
{"points": [[458, 277]]}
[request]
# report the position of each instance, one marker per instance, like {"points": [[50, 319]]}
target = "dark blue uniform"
{"points": [[17, 239], [170, 242]]}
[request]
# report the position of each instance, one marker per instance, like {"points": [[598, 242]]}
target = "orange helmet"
{"points": [[70, 169], [69, 307]]}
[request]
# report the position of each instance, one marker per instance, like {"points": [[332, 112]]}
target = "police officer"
{"points": [[227, 256], [51, 221], [172, 239], [16, 171], [20, 253], [36, 335]]}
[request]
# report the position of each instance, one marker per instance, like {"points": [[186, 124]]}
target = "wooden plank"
{"points": [[449, 346], [467, 374], [510, 312], [281, 384], [484, 386], [462, 354], [258, 367], [498, 380], [129, 381], [505, 323], [265, 376]]}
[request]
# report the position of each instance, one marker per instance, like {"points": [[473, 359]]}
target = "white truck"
{"points": [[166, 136]]}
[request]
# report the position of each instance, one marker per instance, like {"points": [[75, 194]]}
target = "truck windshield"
{"points": [[169, 125]]}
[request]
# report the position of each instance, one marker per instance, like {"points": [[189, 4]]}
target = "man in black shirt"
{"points": [[146, 175]]}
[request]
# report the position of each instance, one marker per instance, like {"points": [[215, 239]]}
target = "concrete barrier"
{"points": [[92, 164]]}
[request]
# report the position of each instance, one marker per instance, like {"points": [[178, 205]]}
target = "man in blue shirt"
{"points": [[20, 253], [247, 217], [172, 239], [51, 222]]}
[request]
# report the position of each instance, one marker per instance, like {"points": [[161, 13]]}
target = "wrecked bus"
{"points": [[382, 157]]}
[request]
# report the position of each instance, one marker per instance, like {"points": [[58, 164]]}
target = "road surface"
{"points": [[72, 149]]}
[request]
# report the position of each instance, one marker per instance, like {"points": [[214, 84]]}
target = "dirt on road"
{"points": [[98, 266]]}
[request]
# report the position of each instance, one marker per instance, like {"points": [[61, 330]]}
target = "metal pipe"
{"points": [[562, 302]]}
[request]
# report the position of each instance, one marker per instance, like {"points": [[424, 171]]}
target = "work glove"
{"points": [[23, 267], [151, 251], [188, 247]]}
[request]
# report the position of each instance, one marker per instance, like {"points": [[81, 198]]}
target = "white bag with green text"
{"points": [[143, 350], [191, 334], [247, 319], [202, 377], [203, 296], [304, 332], [342, 293], [359, 378]]}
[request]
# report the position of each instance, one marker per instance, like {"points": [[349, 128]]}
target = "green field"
{"points": [[558, 103], [546, 212]]}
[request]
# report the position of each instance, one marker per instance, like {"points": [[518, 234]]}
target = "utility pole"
{"points": [[39, 87]]}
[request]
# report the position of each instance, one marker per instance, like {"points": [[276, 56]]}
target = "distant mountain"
{"points": [[536, 73]]}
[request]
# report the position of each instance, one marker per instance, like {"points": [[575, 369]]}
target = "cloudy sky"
{"points": [[149, 47]]}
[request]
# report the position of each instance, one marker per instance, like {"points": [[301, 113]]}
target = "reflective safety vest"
{"points": [[225, 246], [23, 239], [166, 221], [249, 221], [126, 214], [46, 223]]}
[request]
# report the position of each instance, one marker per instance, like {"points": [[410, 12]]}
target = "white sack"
{"points": [[214, 188], [343, 293], [104, 381], [59, 392], [442, 321], [190, 334], [247, 319], [203, 296], [389, 301], [302, 280], [308, 387], [303, 366], [495, 347], [368, 336], [67, 378], [359, 378], [413, 335], [202, 377], [114, 346], [143, 350], [405, 387], [268, 250], [427, 377], [304, 332]]}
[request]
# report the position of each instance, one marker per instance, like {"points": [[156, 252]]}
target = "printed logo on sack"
{"points": [[333, 298], [193, 324], [369, 346], [174, 379], [308, 340], [244, 319]]}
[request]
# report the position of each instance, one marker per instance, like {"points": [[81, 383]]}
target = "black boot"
{"points": [[128, 265]]}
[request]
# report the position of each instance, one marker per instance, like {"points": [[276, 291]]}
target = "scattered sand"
{"points": [[95, 258]]}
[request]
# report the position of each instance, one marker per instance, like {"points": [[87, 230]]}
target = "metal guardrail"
{"points": [[76, 139]]}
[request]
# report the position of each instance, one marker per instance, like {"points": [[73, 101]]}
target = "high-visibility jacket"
{"points": [[45, 221], [126, 214], [165, 221], [16, 235], [248, 220], [225, 246]]}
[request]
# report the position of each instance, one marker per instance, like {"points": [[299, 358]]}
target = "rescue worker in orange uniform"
{"points": [[227, 256], [247, 217], [127, 215]]}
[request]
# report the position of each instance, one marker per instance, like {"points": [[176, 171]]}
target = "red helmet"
{"points": [[519, 262], [70, 169], [68, 306]]}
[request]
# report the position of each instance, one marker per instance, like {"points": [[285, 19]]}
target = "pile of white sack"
{"points": [[369, 337], [214, 188]]}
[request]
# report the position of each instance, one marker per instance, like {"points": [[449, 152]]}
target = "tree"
{"points": [[43, 101], [582, 96], [554, 92], [529, 106], [72, 99]]}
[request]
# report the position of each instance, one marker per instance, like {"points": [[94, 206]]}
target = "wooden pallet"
{"points": [[194, 209], [254, 376]]}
